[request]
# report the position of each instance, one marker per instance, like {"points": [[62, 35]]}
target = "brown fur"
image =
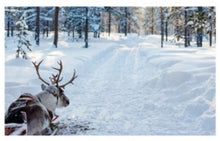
{"points": [[36, 113]]}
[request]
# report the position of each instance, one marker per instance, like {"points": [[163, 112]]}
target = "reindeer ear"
{"points": [[43, 86]]}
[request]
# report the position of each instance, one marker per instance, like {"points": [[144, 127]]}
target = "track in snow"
{"points": [[124, 93]]}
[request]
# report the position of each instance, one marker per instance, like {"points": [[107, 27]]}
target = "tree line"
{"points": [[185, 23]]}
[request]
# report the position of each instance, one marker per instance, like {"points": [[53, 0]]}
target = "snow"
{"points": [[190, 23], [125, 85]]}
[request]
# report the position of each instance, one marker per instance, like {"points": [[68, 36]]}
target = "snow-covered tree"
{"points": [[95, 20], [23, 42], [199, 22], [75, 20], [150, 19]]}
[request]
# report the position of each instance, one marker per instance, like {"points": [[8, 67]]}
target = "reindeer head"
{"points": [[55, 88]]}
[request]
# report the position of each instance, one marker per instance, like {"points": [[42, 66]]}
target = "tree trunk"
{"points": [[152, 16], [177, 31], [44, 28], [166, 25], [185, 31], [47, 29], [199, 30], [73, 32], [162, 27], [37, 28], [8, 29], [166, 29], [68, 30], [210, 32], [188, 37], [119, 30], [12, 29], [109, 22], [126, 21], [95, 34], [56, 26], [129, 26], [177, 28], [214, 22], [210, 36], [80, 33], [86, 28]]}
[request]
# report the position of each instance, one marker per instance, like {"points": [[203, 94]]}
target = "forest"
{"points": [[134, 70], [185, 24]]}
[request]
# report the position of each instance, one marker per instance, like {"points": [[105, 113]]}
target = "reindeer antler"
{"points": [[70, 81], [56, 78], [37, 70]]}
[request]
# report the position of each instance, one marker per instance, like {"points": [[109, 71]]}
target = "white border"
{"points": [[141, 3], [110, 2]]}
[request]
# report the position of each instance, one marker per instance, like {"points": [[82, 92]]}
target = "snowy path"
{"points": [[126, 86], [127, 92]]}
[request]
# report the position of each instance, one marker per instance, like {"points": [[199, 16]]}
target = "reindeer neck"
{"points": [[48, 100]]}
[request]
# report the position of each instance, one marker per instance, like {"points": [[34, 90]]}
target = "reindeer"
{"points": [[40, 109]]}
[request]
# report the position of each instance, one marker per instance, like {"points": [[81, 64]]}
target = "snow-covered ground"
{"points": [[125, 86]]}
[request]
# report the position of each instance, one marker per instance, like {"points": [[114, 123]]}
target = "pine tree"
{"points": [[22, 38], [10, 13]]}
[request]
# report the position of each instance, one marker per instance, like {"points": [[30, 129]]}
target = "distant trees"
{"points": [[10, 15], [150, 20], [199, 23], [84, 19], [185, 24], [192, 23], [95, 20]]}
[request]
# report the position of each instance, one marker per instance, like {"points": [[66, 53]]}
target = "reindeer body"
{"points": [[39, 109], [37, 116]]}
